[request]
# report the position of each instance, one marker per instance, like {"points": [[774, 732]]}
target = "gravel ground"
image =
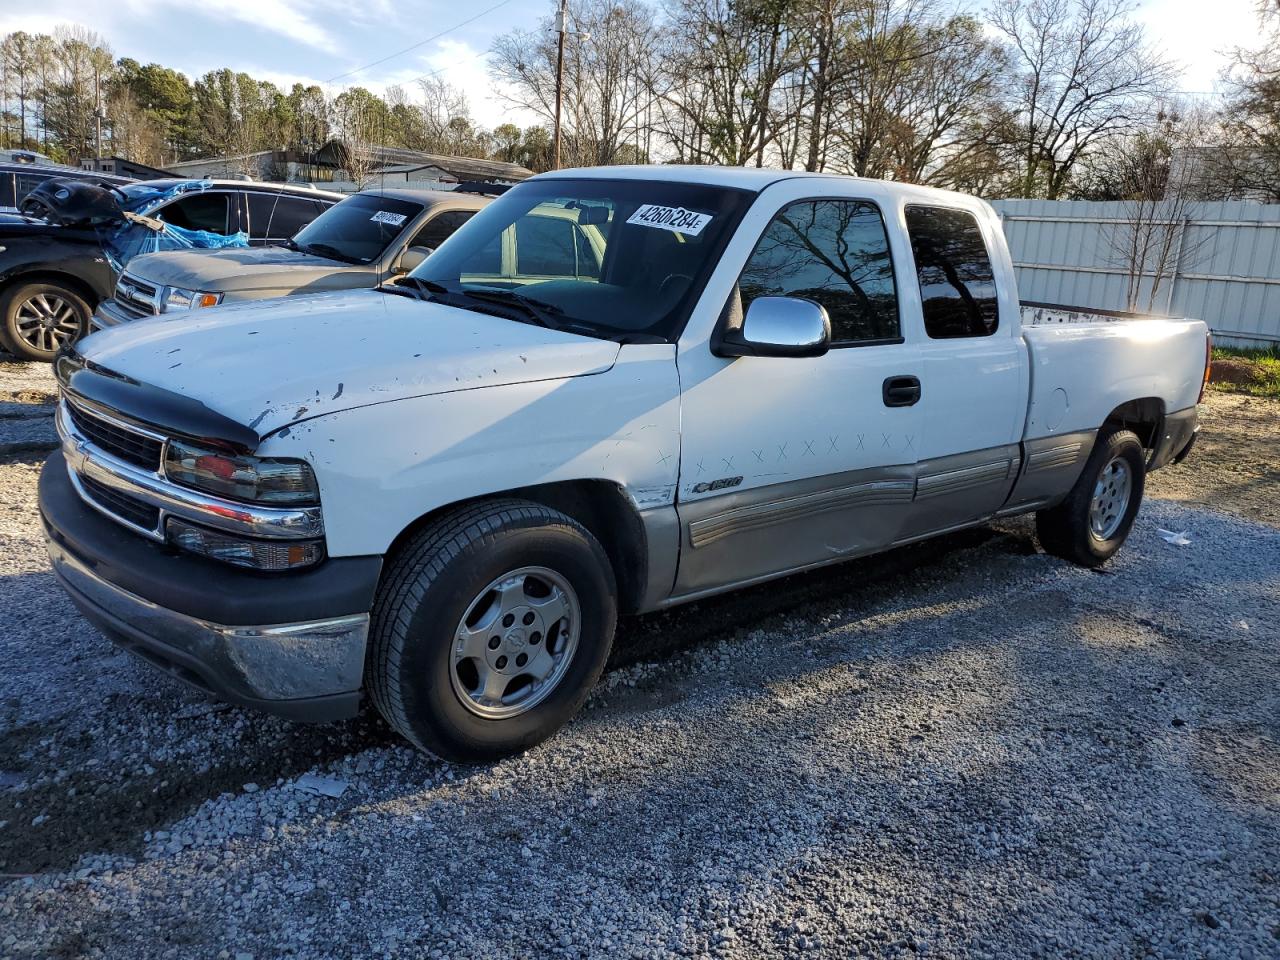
{"points": [[965, 748], [1236, 464]]}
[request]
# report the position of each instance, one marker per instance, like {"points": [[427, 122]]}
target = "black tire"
{"points": [[23, 304], [426, 590], [1066, 531]]}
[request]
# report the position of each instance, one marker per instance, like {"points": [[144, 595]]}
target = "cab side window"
{"points": [[273, 216], [957, 284], [836, 253], [24, 183], [440, 228], [197, 211]]}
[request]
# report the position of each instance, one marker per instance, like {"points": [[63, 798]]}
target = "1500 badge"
{"points": [[724, 483]]}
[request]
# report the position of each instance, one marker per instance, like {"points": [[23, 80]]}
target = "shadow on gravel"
{"points": [[657, 635], [103, 809], [110, 809], [25, 456]]}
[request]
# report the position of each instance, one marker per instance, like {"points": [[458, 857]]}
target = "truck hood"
{"points": [[252, 271], [267, 366]]}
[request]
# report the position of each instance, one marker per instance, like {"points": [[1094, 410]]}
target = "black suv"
{"points": [[54, 269]]}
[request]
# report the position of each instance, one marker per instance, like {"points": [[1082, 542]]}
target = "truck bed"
{"points": [[1082, 369]]}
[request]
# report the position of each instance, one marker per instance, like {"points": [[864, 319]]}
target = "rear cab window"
{"points": [[957, 283]]}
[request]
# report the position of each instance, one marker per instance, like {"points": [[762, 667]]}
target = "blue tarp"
{"points": [[129, 238]]}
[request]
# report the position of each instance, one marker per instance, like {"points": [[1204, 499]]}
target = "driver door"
{"points": [[792, 462]]}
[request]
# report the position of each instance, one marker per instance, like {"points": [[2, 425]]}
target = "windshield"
{"points": [[139, 197], [606, 256], [358, 229]]}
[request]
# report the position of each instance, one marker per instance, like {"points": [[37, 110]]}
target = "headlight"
{"points": [[252, 479], [242, 551], [176, 298]]}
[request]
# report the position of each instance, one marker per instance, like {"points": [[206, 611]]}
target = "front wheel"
{"points": [[37, 319], [489, 630], [1093, 522]]}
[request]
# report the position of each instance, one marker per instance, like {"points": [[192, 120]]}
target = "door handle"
{"points": [[901, 391]]}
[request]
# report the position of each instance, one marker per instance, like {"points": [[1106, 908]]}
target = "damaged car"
{"points": [[61, 255], [370, 237]]}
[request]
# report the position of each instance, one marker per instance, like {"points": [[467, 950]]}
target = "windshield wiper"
{"points": [[328, 252], [424, 290], [542, 313]]}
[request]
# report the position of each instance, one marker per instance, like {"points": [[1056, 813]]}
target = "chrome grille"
{"points": [[137, 297], [121, 505], [117, 440]]}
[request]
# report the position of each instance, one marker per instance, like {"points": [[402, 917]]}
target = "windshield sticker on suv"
{"points": [[670, 218], [386, 216]]}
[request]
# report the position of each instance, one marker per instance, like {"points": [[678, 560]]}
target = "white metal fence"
{"points": [[1225, 269]]}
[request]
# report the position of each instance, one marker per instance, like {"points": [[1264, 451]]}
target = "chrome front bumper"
{"points": [[109, 314], [310, 670]]}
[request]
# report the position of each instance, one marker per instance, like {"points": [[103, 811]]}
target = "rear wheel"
{"points": [[38, 319], [1096, 517], [490, 628]]}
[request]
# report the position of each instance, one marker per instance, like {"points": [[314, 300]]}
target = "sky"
{"points": [[333, 42]]}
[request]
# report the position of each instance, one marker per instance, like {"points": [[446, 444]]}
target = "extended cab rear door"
{"points": [[791, 462], [960, 297]]}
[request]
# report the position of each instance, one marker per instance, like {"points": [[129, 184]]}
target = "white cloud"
{"points": [[283, 17], [1199, 41]]}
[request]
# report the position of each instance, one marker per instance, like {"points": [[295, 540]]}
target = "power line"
{"points": [[421, 43]]}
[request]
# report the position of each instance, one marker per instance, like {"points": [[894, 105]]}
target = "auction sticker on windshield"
{"points": [[386, 216], [670, 218]]}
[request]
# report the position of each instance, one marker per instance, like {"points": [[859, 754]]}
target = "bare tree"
{"points": [[1247, 163], [442, 105], [359, 119], [723, 67], [606, 62], [134, 133], [1150, 240], [1085, 73]]}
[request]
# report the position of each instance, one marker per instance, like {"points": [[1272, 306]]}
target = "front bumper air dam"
{"points": [[288, 644]]}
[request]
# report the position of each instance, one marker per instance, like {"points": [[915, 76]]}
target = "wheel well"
{"points": [[1145, 417], [51, 276], [599, 505]]}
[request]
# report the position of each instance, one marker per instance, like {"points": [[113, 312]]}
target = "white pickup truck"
{"points": [[443, 492]]}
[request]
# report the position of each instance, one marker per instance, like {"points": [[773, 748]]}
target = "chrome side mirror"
{"points": [[778, 327]]}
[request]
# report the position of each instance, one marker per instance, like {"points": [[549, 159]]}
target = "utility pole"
{"points": [[562, 26]]}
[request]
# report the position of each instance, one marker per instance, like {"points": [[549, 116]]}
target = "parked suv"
{"points": [[55, 270], [357, 243]]}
